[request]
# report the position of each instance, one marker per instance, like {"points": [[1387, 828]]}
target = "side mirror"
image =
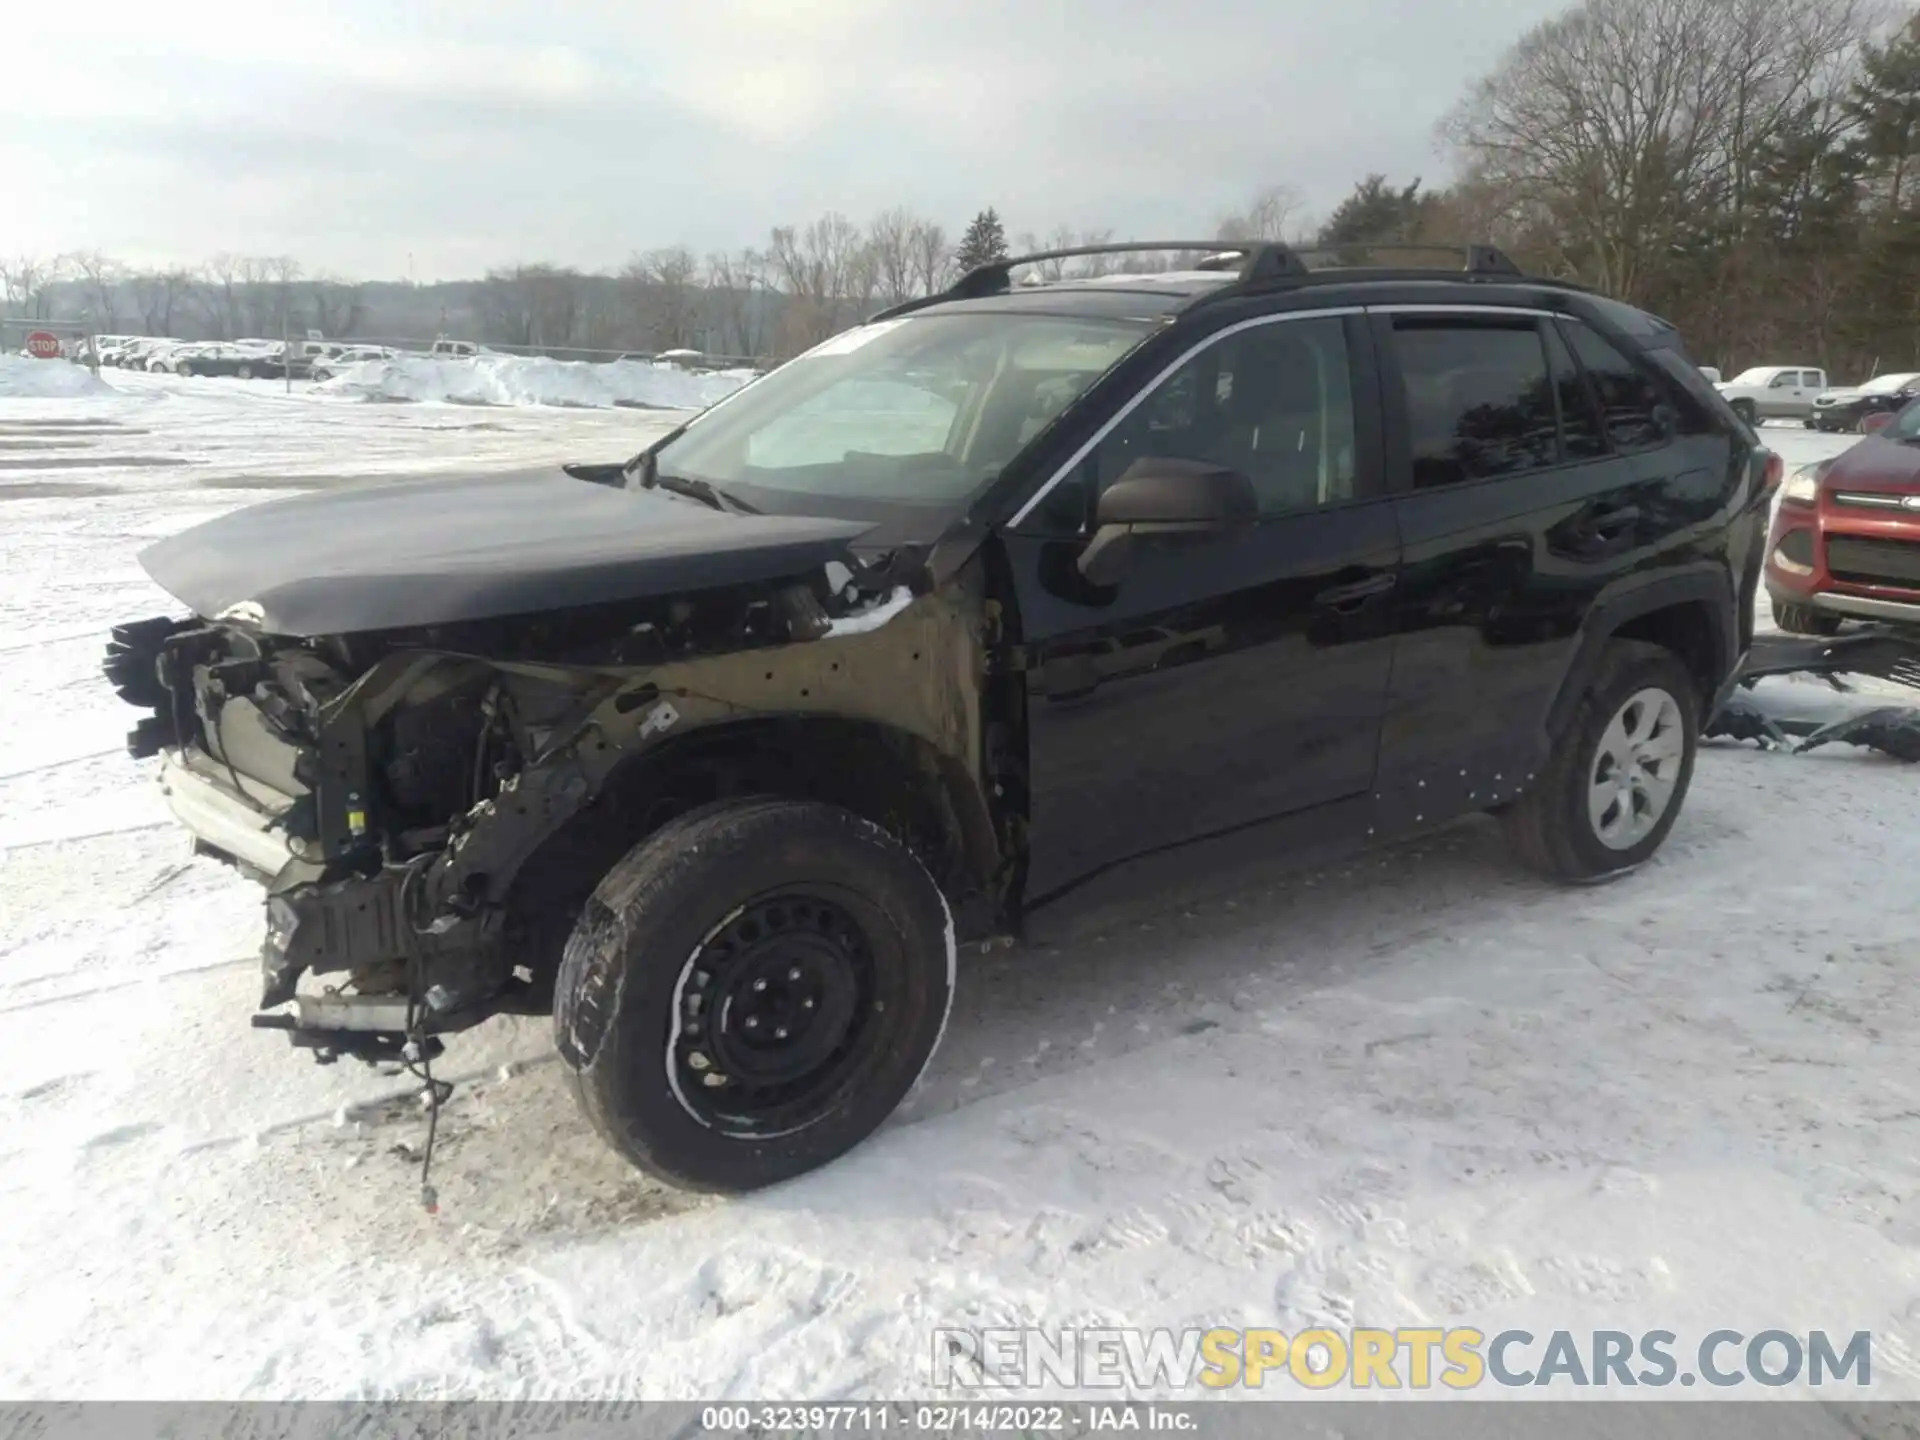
{"points": [[1164, 497]]}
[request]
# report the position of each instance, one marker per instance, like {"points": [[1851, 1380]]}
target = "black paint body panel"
{"points": [[434, 552]]}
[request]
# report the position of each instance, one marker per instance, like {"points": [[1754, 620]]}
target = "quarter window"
{"points": [[1632, 405], [1479, 399]]}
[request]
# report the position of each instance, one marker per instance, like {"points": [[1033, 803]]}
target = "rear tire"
{"points": [[1746, 410], [245, 372], [1804, 619], [736, 919], [1618, 776]]}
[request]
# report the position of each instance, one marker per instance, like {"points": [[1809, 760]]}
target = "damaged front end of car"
{"points": [[430, 805]]}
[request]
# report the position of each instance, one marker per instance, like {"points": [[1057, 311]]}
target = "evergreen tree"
{"points": [[1378, 214], [1885, 108], [985, 242]]}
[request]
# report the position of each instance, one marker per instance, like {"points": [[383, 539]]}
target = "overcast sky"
{"points": [[364, 136]]}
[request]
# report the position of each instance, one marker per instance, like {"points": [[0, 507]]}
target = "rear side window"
{"points": [[1479, 398], [1630, 401]]}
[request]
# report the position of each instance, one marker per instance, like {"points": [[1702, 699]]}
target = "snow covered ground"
{"points": [[1415, 1088]]}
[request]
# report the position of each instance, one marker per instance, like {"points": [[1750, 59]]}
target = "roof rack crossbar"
{"points": [[1259, 263], [1264, 255]]}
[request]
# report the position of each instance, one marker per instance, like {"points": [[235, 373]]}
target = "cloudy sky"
{"points": [[367, 136]]}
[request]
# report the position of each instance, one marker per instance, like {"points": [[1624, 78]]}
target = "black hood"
{"points": [[435, 552]]}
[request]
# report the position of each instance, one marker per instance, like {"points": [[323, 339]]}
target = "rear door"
{"points": [[1528, 482], [1227, 680]]}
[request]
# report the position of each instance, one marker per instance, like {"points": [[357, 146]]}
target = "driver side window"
{"points": [[1273, 401]]}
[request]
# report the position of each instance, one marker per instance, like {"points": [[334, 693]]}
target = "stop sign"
{"points": [[43, 345]]}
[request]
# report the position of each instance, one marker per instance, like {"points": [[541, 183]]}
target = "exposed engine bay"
{"points": [[430, 806]]}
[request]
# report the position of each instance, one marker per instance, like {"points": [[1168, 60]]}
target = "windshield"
{"points": [[921, 411], [1887, 384], [1753, 377]]}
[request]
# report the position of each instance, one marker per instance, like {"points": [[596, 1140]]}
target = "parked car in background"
{"points": [[1846, 407], [444, 349], [1712, 374], [223, 358], [141, 354], [111, 349], [347, 356], [1845, 541], [1773, 392]]}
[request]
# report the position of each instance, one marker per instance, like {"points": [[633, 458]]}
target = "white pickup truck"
{"points": [[1774, 392]]}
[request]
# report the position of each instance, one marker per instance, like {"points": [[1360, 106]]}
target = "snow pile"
{"points": [[21, 376], [532, 380]]}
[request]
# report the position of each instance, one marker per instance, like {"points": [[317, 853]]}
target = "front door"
{"points": [[1227, 680]]}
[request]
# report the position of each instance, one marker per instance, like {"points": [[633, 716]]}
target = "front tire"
{"points": [[752, 990], [1617, 778]]}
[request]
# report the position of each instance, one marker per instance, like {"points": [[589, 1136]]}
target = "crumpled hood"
{"points": [[433, 552]]}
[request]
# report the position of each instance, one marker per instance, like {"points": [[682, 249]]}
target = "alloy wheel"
{"points": [[1636, 768]]}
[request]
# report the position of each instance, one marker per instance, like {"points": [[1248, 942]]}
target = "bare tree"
{"points": [[28, 282], [664, 297], [828, 275], [892, 239], [338, 307], [1276, 212], [932, 258], [533, 306], [737, 289], [1626, 123], [155, 294], [100, 277]]}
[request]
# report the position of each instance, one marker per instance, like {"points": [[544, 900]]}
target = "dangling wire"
{"points": [[415, 1055]]}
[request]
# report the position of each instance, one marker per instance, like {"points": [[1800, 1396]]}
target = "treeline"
{"points": [[1749, 170], [1745, 168]]}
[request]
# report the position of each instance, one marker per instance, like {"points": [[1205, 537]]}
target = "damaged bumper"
{"points": [[249, 827]]}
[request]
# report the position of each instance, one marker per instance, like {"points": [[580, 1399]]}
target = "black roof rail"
{"points": [[1261, 264], [1262, 260]]}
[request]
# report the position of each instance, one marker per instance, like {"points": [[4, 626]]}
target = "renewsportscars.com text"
{"points": [[1422, 1358]]}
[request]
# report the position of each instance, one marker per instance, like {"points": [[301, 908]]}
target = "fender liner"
{"points": [[1705, 582]]}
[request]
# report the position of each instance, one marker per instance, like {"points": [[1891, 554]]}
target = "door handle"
{"points": [[1348, 598]]}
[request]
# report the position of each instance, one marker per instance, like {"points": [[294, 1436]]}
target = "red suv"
{"points": [[1846, 535]]}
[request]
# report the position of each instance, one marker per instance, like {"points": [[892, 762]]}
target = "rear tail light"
{"points": [[1775, 472]]}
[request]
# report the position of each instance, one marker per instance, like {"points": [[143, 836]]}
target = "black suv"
{"points": [[716, 752]]}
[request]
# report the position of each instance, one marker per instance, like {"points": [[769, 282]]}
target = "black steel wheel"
{"points": [[752, 990], [777, 1012]]}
